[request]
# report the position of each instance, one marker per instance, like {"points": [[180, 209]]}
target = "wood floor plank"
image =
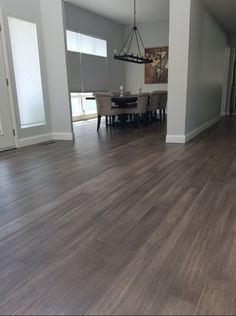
{"points": [[120, 223], [218, 298]]}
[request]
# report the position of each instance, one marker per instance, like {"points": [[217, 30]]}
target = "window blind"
{"points": [[87, 63]]}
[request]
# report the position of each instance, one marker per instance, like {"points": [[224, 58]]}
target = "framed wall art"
{"points": [[157, 71]]}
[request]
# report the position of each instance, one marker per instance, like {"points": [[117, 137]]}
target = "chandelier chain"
{"points": [[134, 12], [134, 36]]}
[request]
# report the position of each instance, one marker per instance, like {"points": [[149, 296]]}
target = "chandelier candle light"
{"points": [[125, 54]]}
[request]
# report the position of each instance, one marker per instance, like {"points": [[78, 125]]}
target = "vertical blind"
{"points": [[87, 63]]}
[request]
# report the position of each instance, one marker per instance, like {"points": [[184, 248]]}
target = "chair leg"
{"points": [[146, 118], [156, 118], [123, 120], [110, 120], [164, 114], [138, 121], [106, 121], [99, 122], [160, 115], [113, 120], [149, 117], [132, 117]]}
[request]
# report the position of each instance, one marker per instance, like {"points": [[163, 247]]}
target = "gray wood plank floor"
{"points": [[120, 223]]}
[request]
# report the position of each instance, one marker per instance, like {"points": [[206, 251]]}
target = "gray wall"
{"points": [[154, 34], [231, 67], [53, 66], [28, 10], [196, 70], [206, 68], [80, 20], [178, 70], [55, 52]]}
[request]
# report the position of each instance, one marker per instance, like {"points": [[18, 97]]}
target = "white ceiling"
{"points": [[152, 10], [225, 12], [122, 10]]}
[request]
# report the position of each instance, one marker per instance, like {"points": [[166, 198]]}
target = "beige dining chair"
{"points": [[117, 93], [163, 104], [154, 103], [105, 107], [127, 93], [139, 108]]}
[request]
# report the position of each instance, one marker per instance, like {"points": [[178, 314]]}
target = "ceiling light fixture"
{"points": [[125, 54]]}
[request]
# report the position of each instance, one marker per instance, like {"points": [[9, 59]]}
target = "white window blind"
{"points": [[25, 53], [87, 63], [93, 46], [81, 43], [73, 41]]}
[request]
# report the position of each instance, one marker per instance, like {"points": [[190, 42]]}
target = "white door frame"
{"points": [[226, 83], [10, 93]]}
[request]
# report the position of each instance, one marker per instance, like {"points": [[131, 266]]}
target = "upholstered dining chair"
{"points": [[154, 103], [138, 108], [105, 107], [163, 104], [117, 93], [127, 93]]}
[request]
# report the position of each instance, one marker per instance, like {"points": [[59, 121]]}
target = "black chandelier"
{"points": [[125, 54]]}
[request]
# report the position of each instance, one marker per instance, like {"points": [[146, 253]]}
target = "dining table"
{"points": [[122, 101]]}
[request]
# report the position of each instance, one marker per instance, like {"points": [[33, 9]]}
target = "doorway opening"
{"points": [[7, 118]]}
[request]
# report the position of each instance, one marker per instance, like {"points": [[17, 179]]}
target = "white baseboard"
{"points": [[225, 113], [28, 141], [201, 128], [182, 139], [175, 139], [62, 136]]}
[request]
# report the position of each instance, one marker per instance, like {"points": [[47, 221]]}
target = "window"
{"points": [[0, 125], [73, 40], [85, 44], [25, 53], [83, 108], [88, 66]]}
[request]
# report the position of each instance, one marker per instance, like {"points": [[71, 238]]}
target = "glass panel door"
{"points": [[7, 139], [25, 53]]}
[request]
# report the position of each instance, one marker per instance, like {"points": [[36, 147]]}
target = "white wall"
{"points": [[196, 70], [207, 43], [48, 16], [154, 34], [55, 52], [224, 99], [231, 68], [28, 10], [178, 70]]}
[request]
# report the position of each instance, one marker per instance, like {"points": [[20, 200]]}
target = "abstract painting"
{"points": [[157, 71]]}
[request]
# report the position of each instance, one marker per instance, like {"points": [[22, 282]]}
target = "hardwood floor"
{"points": [[120, 223]]}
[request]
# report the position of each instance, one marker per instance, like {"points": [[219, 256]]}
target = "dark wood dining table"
{"points": [[121, 101]]}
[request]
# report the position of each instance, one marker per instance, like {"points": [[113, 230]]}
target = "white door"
{"points": [[7, 139]]}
